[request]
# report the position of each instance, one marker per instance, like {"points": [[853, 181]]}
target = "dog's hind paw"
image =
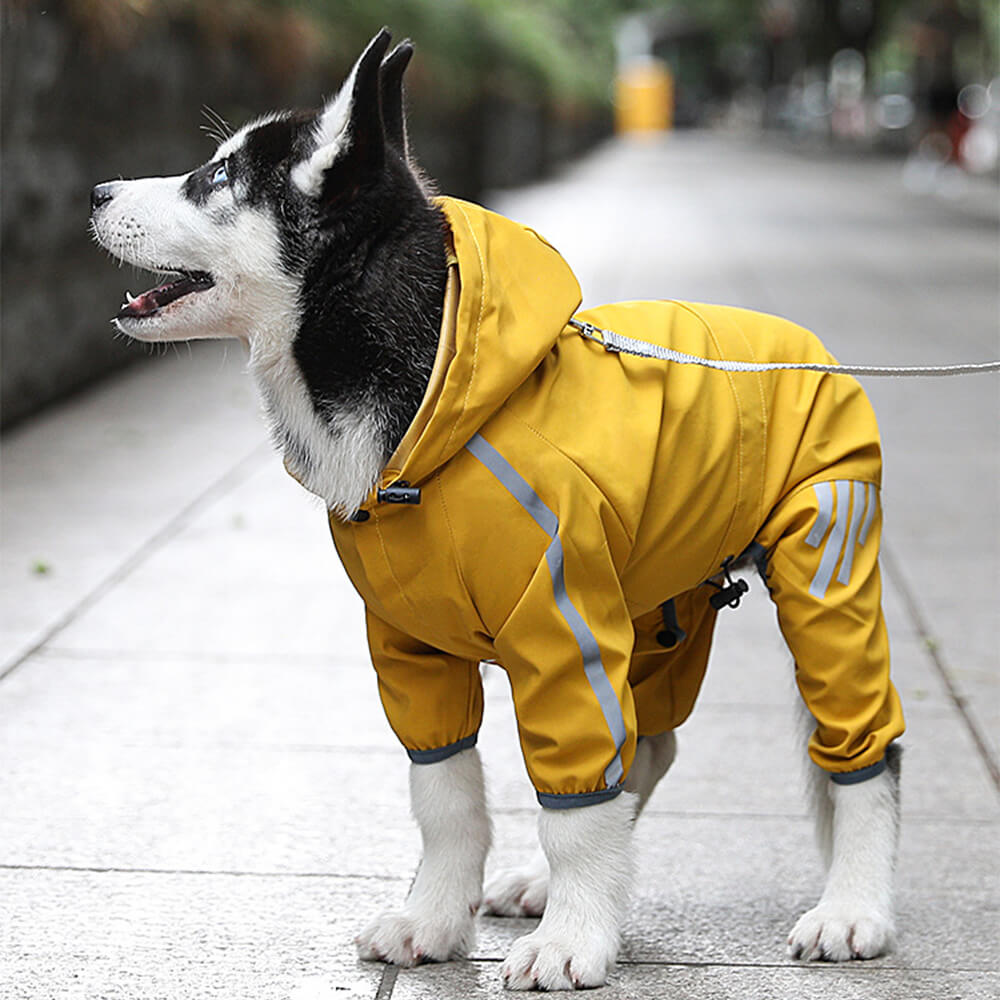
{"points": [[837, 931], [521, 893], [408, 938], [542, 961]]}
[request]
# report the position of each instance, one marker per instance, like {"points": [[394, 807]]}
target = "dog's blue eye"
{"points": [[221, 175]]}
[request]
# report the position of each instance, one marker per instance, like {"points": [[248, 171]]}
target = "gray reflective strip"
{"points": [[856, 777], [593, 666], [824, 497], [831, 551], [574, 800], [859, 494], [515, 484], [872, 493], [442, 753]]}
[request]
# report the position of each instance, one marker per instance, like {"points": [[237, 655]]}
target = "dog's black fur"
{"points": [[373, 228]]}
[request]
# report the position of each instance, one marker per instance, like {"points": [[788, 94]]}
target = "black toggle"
{"points": [[400, 492], [730, 594]]}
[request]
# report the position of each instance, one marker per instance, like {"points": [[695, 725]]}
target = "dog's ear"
{"points": [[391, 83], [349, 136]]}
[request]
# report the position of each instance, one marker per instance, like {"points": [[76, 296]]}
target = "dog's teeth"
{"points": [[129, 297]]}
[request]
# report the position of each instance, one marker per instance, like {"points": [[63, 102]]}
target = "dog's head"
{"points": [[290, 196]]}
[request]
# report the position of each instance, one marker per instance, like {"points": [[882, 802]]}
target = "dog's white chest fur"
{"points": [[337, 456]]}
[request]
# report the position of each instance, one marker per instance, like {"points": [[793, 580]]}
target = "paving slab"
{"points": [[170, 936], [686, 909], [92, 482], [253, 573]]}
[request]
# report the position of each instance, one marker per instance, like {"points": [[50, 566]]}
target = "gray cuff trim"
{"points": [[856, 777], [442, 753], [574, 800]]}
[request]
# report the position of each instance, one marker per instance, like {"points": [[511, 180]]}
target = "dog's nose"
{"points": [[100, 195]]}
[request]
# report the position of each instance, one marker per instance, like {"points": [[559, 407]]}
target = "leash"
{"points": [[616, 343]]}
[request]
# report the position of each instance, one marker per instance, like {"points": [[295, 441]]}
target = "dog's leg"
{"points": [[858, 832], [436, 922], [654, 756], [522, 892], [589, 854]]}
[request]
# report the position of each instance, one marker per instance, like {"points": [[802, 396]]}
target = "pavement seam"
{"points": [[387, 983], [815, 968], [867, 968], [221, 872], [933, 649], [234, 476]]}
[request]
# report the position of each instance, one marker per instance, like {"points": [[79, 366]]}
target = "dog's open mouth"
{"points": [[151, 302]]}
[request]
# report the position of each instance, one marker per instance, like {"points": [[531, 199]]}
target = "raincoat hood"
{"points": [[509, 317]]}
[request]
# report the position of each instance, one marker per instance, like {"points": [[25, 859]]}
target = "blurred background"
{"points": [[502, 92]]}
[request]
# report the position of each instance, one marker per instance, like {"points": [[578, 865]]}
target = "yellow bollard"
{"points": [[644, 98]]}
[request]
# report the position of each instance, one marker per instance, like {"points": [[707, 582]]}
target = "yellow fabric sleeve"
{"points": [[433, 700], [824, 579]]}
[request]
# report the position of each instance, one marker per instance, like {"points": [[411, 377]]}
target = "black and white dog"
{"points": [[313, 239]]}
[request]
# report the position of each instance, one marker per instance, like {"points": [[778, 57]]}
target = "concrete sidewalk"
{"points": [[199, 795]]}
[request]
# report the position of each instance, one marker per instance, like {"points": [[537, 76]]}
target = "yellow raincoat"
{"points": [[566, 494]]}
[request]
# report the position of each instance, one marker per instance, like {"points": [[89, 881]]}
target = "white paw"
{"points": [[517, 893], [839, 930], [408, 937], [543, 960]]}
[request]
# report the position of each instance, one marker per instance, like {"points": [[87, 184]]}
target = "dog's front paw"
{"points": [[409, 937], [544, 960], [839, 930], [521, 893]]}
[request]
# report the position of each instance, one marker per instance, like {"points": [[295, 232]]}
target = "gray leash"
{"points": [[617, 343]]}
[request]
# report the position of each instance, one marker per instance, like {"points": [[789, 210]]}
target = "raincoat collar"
{"points": [[505, 307]]}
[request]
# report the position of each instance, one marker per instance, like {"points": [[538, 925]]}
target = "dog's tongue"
{"points": [[156, 298]]}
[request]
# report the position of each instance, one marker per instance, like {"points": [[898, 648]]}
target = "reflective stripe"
{"points": [[442, 753], [824, 497], [856, 777], [574, 800], [593, 666], [858, 494], [831, 551], [872, 493], [515, 484]]}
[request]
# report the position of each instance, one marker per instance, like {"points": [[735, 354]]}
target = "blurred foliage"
{"points": [[561, 47], [555, 50], [558, 52]]}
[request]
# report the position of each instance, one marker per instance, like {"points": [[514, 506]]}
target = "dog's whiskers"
{"points": [[217, 128]]}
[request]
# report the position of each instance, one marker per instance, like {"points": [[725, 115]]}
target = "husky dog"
{"points": [[313, 238]]}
